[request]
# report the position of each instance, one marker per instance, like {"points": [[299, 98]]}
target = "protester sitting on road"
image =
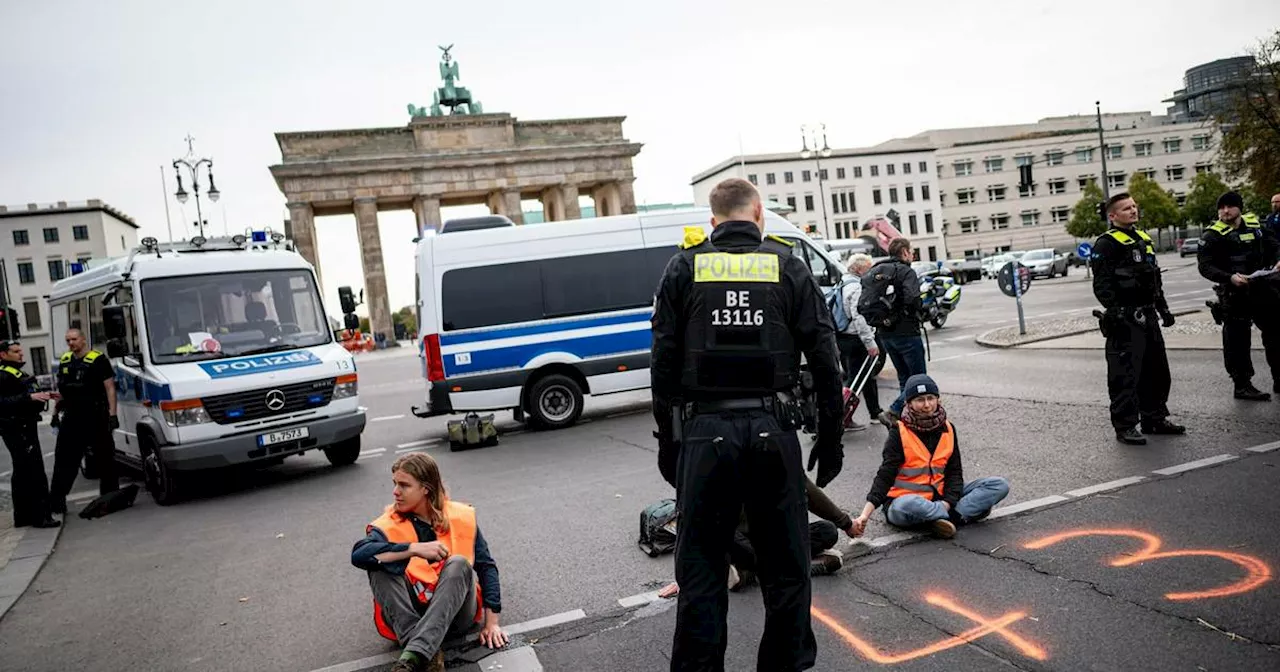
{"points": [[920, 482], [423, 555], [823, 535]]}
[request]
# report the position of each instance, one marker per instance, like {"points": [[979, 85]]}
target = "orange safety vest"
{"points": [[422, 575], [922, 473]]}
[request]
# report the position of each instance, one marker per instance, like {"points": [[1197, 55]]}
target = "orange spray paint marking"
{"points": [[985, 627], [1258, 572]]}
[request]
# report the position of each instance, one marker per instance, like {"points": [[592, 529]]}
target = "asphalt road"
{"points": [[253, 572]]}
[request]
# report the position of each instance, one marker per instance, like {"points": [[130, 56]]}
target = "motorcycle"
{"points": [[939, 295]]}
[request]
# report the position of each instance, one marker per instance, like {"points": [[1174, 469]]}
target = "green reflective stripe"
{"points": [[1121, 236], [914, 471], [1143, 235], [908, 485], [784, 241], [66, 357], [9, 369], [1220, 227], [91, 355], [1250, 219]]}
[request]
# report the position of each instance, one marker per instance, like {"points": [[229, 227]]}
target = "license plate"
{"points": [[281, 437]]}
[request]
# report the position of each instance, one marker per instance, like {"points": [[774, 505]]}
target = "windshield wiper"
{"points": [[277, 347]]}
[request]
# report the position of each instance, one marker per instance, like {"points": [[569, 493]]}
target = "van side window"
{"points": [[78, 320]]}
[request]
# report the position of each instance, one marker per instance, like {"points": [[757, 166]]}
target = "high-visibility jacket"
{"points": [[422, 575], [922, 473]]}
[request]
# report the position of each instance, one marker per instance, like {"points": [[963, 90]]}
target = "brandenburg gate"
{"points": [[463, 157]]}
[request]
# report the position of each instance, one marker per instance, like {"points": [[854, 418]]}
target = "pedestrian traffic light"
{"points": [[1024, 173]]}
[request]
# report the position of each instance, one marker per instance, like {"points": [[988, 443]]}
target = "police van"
{"points": [[532, 318], [223, 356]]}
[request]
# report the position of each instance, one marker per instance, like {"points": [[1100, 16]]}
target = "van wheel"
{"points": [[160, 480], [555, 401], [343, 453]]}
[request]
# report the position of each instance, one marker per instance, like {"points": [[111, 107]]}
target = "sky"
{"points": [[96, 97]]}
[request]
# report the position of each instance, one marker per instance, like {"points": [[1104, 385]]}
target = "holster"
{"points": [[677, 423], [1104, 323]]}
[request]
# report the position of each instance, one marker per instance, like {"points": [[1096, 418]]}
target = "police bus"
{"points": [[222, 352], [532, 318]]}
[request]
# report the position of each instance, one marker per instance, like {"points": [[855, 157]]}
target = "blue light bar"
{"points": [[259, 236], [315, 399], [76, 268]]}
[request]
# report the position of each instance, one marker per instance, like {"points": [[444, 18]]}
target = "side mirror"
{"points": [[115, 323], [351, 321], [116, 348], [131, 361]]}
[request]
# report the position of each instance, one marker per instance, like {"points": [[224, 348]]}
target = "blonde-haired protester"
{"points": [[423, 556], [858, 341]]}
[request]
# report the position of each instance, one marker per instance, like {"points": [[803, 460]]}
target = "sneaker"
{"points": [[825, 563], [746, 578], [1131, 436], [734, 577], [855, 426], [1248, 392], [1162, 426], [942, 528], [403, 665], [437, 663], [888, 419]]}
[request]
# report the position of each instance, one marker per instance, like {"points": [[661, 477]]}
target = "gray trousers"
{"points": [[451, 610]]}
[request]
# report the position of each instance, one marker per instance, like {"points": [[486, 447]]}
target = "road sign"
{"points": [[1084, 251], [1005, 279]]}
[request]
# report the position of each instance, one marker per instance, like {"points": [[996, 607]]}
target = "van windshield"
{"points": [[196, 317]]}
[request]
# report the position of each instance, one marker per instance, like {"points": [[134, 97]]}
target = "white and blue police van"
{"points": [[532, 318], [223, 356]]}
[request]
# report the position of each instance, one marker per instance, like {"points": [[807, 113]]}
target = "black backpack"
{"points": [[880, 303], [658, 528]]}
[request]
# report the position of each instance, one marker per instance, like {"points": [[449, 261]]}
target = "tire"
{"points": [[1066, 270], [555, 402], [343, 453], [938, 320], [161, 481]]}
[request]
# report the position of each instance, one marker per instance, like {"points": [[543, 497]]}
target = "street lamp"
{"points": [[193, 167], [809, 135]]}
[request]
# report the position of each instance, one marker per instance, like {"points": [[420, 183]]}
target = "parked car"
{"points": [[1045, 263], [1188, 246], [991, 265]]}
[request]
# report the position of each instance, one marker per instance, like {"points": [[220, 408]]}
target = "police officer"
{"points": [[1231, 249], [1127, 283], [20, 407], [86, 383], [732, 315]]}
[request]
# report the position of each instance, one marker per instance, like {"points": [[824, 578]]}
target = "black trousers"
{"points": [[733, 463], [823, 535], [80, 431], [852, 354], [1258, 308], [30, 486], [1137, 372]]}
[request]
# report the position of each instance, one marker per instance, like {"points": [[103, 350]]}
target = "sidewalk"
{"points": [[23, 552], [1196, 331]]}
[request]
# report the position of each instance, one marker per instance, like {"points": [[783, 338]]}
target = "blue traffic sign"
{"points": [[1084, 251]]}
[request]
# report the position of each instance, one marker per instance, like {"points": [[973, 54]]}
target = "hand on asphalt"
{"points": [[493, 637], [670, 590]]}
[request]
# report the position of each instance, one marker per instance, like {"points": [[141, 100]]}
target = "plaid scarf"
{"points": [[924, 423]]}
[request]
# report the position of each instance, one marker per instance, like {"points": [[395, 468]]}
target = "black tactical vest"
{"points": [[737, 341], [1247, 251]]}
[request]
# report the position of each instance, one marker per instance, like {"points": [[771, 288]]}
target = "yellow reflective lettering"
{"points": [[725, 267]]}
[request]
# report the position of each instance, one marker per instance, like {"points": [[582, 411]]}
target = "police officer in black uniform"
{"points": [[1230, 250], [86, 383], [1127, 283], [20, 408], [732, 315]]}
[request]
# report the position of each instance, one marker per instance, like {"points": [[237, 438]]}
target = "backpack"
{"points": [[835, 304], [658, 528], [880, 302]]}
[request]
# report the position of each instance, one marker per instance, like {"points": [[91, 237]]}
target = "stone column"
{"points": [[626, 198], [514, 212], [607, 198], [569, 199], [552, 204], [302, 225], [375, 277], [426, 209]]}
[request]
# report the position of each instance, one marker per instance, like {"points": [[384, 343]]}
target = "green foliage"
{"points": [[1084, 222], [1159, 209], [1250, 125], [1254, 201], [1201, 207], [364, 326], [407, 317]]}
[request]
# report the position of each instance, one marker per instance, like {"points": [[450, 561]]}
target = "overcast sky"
{"points": [[96, 96]]}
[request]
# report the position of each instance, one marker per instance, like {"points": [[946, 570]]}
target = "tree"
{"points": [[1250, 124], [1201, 207], [407, 317], [1084, 222], [364, 326], [1254, 201], [1158, 208]]}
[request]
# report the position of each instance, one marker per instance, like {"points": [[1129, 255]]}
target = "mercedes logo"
{"points": [[275, 400]]}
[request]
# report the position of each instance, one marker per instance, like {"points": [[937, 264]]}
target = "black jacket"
{"points": [[1120, 281], [16, 405], [906, 284], [893, 457], [1215, 259], [810, 322]]}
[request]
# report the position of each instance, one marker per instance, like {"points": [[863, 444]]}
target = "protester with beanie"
{"points": [[920, 482]]}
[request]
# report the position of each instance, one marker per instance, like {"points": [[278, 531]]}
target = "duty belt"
{"points": [[718, 405]]}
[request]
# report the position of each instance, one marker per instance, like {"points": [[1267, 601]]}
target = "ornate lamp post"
{"points": [[193, 167], [809, 135]]}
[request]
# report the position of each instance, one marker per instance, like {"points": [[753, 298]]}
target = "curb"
{"points": [[28, 557], [985, 341]]}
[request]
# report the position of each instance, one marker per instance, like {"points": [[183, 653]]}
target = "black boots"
{"points": [[1245, 390], [1131, 436], [1162, 426]]}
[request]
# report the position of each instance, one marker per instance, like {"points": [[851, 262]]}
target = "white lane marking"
{"points": [[48, 455], [415, 444], [546, 621], [891, 539], [1264, 448], [1103, 487], [1027, 506], [637, 600], [386, 417], [372, 662], [967, 354], [6, 474], [1196, 464], [418, 448], [371, 453]]}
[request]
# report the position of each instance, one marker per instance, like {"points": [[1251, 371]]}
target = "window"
{"points": [[1142, 148], [875, 171], [1030, 218], [924, 166], [928, 222], [1200, 142], [996, 193], [51, 234], [999, 222], [81, 232], [1172, 145], [26, 273], [770, 179], [1203, 167], [966, 196], [752, 178], [924, 192], [969, 225], [963, 168], [1149, 172], [875, 196], [76, 315], [31, 313], [1061, 214], [1022, 160], [1116, 180], [835, 203], [993, 165], [893, 194], [788, 177], [808, 202], [1175, 173], [1084, 155], [56, 270], [1180, 198], [20, 237], [915, 254], [1115, 152], [915, 229], [857, 171], [1028, 191], [822, 174], [933, 253], [1057, 186], [39, 361], [973, 254], [791, 202], [910, 194], [906, 167], [1053, 157], [839, 173], [890, 169], [1084, 181], [806, 176]]}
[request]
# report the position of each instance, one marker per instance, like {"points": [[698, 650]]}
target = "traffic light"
{"points": [[1102, 211], [9, 330], [1024, 174], [347, 299]]}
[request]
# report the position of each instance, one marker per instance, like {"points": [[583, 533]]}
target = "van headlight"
{"points": [[183, 413], [345, 387]]}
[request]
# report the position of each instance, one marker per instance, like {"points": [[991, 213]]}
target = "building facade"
{"points": [[38, 245], [833, 195]]}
